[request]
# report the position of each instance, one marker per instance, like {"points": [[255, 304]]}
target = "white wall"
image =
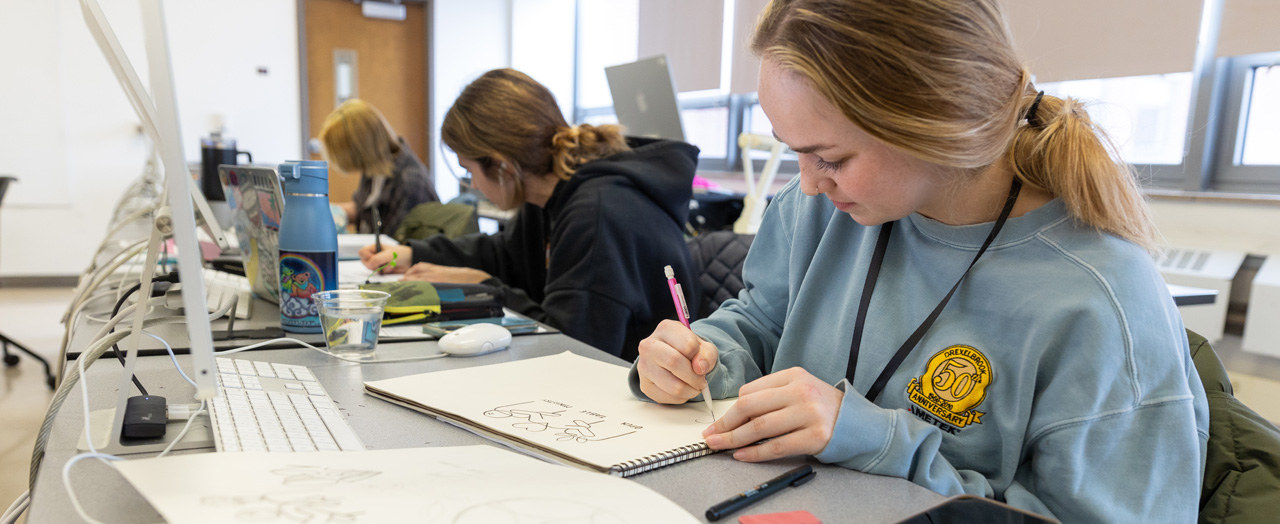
{"points": [[69, 133], [542, 46], [216, 71], [1247, 228], [467, 39]]}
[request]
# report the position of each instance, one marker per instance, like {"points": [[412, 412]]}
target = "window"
{"points": [[1211, 129], [1146, 116], [1261, 117], [607, 36], [707, 128], [1247, 159]]}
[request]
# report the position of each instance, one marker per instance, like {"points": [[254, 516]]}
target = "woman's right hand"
{"points": [[674, 362], [374, 259]]}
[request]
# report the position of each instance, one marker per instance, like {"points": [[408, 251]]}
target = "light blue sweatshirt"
{"points": [[1057, 379]]}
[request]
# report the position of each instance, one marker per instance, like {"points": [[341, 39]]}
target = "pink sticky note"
{"points": [[787, 517]]}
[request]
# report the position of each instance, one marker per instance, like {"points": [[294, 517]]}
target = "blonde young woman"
{"points": [[601, 214], [358, 140], [1055, 378]]}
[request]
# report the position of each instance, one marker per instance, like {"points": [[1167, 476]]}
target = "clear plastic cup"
{"points": [[351, 320]]}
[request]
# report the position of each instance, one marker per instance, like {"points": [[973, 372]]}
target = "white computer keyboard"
{"points": [[219, 288], [264, 406]]}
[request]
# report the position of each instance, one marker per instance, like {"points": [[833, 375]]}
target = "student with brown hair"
{"points": [[358, 140], [955, 289], [601, 214]]}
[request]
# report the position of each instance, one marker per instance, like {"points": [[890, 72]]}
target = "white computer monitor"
{"points": [[644, 98], [159, 117]]}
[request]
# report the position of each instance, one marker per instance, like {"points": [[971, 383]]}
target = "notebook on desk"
{"points": [[466, 484], [565, 408]]}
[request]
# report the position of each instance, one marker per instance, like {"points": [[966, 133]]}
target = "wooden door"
{"points": [[390, 72]]}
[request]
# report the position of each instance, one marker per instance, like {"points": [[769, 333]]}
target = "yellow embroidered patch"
{"points": [[954, 383]]}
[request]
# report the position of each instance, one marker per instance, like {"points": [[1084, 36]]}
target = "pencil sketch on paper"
{"points": [[292, 508], [536, 510], [536, 421], [580, 431], [317, 476]]}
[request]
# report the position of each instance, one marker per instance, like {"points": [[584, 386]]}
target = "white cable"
{"points": [[304, 344], [93, 452], [66, 482], [99, 320], [15, 509], [84, 383], [17, 512], [84, 395], [67, 384], [185, 427], [99, 274], [173, 358], [73, 310]]}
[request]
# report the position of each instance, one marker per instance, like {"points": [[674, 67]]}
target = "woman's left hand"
{"points": [[445, 274], [792, 408]]}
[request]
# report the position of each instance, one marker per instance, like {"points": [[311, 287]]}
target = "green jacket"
{"points": [[432, 218], [1242, 467]]}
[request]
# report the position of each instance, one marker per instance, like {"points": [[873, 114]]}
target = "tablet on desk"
{"points": [[516, 325], [972, 508]]}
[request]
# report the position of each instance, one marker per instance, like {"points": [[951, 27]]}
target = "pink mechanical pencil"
{"points": [[682, 311]]}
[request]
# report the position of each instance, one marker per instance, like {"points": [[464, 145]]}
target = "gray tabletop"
{"points": [[835, 495]]}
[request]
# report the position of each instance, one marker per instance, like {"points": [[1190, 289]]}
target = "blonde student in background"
{"points": [[1056, 378], [358, 140], [600, 215]]}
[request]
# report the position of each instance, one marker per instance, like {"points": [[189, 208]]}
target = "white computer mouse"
{"points": [[476, 339]]}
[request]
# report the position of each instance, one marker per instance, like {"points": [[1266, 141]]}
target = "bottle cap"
{"points": [[305, 176]]}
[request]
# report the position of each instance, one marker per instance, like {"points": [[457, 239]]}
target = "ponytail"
{"points": [[1069, 156], [573, 146]]}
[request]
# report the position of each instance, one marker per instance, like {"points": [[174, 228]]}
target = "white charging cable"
{"points": [[66, 482], [177, 410], [326, 352]]}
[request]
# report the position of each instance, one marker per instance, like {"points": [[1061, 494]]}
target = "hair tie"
{"points": [[1032, 119]]}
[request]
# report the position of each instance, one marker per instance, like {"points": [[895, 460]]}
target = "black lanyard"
{"points": [[873, 272]]}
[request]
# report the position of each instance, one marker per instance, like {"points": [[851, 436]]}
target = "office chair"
{"points": [[11, 359], [717, 259]]}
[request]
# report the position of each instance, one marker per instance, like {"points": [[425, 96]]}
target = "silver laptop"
{"points": [[644, 98], [257, 203]]}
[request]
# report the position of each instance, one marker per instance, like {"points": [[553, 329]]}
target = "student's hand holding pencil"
{"points": [[374, 259], [674, 362]]}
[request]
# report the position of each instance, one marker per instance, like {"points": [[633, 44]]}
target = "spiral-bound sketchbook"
{"points": [[567, 408]]}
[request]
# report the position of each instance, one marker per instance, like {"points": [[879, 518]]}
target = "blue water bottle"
{"points": [[308, 244]]}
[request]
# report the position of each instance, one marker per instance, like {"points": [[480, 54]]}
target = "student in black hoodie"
{"points": [[600, 215]]}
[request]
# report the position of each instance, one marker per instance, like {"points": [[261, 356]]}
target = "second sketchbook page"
{"points": [[569, 404]]}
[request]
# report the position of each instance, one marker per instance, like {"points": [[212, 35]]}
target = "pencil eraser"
{"points": [[786, 517]]}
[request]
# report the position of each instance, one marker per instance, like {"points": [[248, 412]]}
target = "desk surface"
{"points": [[1192, 296], [836, 495]]}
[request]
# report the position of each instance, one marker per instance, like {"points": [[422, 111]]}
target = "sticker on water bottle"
{"points": [[302, 275]]}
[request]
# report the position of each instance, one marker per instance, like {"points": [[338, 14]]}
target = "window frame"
{"points": [[1236, 79]]}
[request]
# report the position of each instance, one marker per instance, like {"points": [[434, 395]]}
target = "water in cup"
{"points": [[352, 333], [351, 320]]}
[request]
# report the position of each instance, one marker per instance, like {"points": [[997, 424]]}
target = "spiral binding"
{"points": [[658, 460]]}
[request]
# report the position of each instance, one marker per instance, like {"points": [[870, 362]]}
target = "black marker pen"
{"points": [[377, 230], [794, 477]]}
